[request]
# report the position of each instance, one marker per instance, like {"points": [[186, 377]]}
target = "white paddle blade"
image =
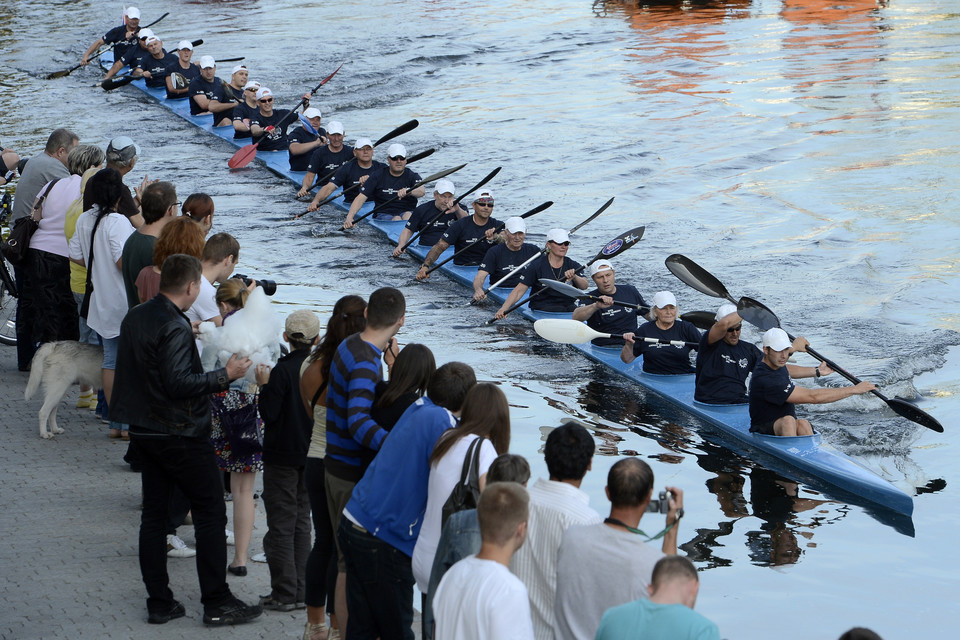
{"points": [[566, 331]]}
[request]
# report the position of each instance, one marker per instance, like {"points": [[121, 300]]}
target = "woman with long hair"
{"points": [[409, 376], [346, 319], [485, 416], [181, 235]]}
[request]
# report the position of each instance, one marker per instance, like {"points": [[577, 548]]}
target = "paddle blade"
{"points": [[59, 74], [563, 287], [757, 314], [243, 157], [703, 320], [596, 213], [399, 131], [113, 83], [619, 244], [911, 412], [566, 331], [693, 275], [487, 179], [421, 155], [537, 209]]}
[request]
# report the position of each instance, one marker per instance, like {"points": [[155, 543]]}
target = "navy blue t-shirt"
{"points": [[159, 69], [666, 359], [466, 233], [549, 300], [118, 38], [240, 112], [213, 90], [769, 391], [134, 55], [722, 370], [300, 134], [193, 71], [616, 320], [499, 261], [422, 215], [349, 175], [384, 185], [276, 140], [323, 161]]}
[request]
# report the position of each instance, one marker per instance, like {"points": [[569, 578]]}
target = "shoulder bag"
{"points": [[467, 492], [15, 247]]}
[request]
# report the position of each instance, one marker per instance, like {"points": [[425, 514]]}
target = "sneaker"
{"points": [[271, 603], [83, 402], [231, 540], [177, 548], [227, 496], [233, 612], [260, 557], [176, 610]]}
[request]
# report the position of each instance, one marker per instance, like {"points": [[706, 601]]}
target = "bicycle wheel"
{"points": [[8, 309]]}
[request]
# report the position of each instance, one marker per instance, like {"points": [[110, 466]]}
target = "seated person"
{"points": [[132, 55], [306, 139], [724, 361], [244, 112], [155, 67], [503, 260], [351, 175], [123, 38], [472, 235], [184, 68], [238, 80], [276, 119], [392, 189], [327, 158], [425, 221], [603, 315], [662, 359], [207, 95], [554, 265]]}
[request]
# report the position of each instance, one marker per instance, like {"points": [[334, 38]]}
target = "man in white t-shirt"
{"points": [[555, 505], [585, 585], [478, 597], [220, 256]]}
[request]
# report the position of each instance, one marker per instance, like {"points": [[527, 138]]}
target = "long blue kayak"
{"points": [[804, 458]]}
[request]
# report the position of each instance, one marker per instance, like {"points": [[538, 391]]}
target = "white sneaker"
{"points": [[177, 548], [230, 539], [260, 557]]}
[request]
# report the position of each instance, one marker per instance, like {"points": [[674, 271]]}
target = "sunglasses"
{"points": [[484, 203], [735, 329], [397, 158], [266, 100], [562, 244]]}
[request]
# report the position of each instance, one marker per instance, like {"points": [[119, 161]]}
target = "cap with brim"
{"points": [[600, 265], [312, 112], [363, 142], [252, 84], [239, 67], [396, 149], [207, 62], [184, 44], [663, 299], [445, 186], [146, 32], [122, 148], [152, 39], [515, 225], [725, 310], [133, 13], [777, 339], [559, 236], [485, 194], [335, 126], [302, 325], [263, 92]]}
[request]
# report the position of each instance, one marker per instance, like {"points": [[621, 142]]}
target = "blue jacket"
{"points": [[391, 498]]}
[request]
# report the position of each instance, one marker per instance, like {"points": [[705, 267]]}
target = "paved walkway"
{"points": [[68, 536]]}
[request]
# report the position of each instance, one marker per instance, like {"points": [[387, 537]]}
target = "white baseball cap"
{"points": [[777, 339], [146, 32], [362, 142], [207, 62], [152, 39], [239, 67], [445, 186], [396, 149], [184, 44], [725, 310], [311, 112], [663, 299], [515, 224], [558, 236], [484, 193], [600, 265], [263, 92], [335, 126], [251, 84], [132, 13]]}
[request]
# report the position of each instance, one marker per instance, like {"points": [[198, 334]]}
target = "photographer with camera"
{"points": [[586, 585]]}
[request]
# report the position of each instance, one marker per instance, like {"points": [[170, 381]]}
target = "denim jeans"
{"points": [[191, 465], [287, 541], [379, 586], [460, 538]]}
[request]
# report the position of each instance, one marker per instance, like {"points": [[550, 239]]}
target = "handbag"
{"points": [[15, 247], [466, 494], [240, 427]]}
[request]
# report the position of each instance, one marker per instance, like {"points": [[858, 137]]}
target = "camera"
{"points": [[662, 505], [269, 286]]}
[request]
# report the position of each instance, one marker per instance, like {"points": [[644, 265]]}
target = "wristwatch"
{"points": [[816, 372]]}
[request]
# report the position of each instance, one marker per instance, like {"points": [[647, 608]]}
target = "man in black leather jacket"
{"points": [[162, 392]]}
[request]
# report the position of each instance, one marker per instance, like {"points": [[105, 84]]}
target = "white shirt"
{"points": [[554, 507], [50, 234], [481, 600], [204, 307], [108, 303], [444, 476]]}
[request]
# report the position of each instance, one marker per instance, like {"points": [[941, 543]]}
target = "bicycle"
{"points": [[8, 285]]}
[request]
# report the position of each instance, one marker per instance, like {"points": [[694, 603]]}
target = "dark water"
{"points": [[804, 151]]}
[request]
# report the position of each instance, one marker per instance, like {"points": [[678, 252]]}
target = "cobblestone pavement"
{"points": [[68, 535]]}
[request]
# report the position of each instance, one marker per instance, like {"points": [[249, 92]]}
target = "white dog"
{"points": [[58, 365]]}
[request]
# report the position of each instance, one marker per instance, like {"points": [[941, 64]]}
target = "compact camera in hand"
{"points": [[662, 505]]}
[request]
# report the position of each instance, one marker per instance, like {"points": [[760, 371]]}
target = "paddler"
{"points": [[773, 393], [305, 139], [207, 95], [244, 112], [724, 361], [553, 265], [276, 138], [502, 259], [475, 231], [156, 67], [133, 54], [123, 38], [238, 80], [658, 358], [350, 174], [185, 68], [441, 205], [604, 316], [327, 158], [396, 182]]}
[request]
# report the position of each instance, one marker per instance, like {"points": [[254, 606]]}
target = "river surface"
{"points": [[803, 151]]}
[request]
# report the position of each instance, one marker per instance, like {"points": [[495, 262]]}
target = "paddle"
{"points": [[66, 72], [703, 320], [763, 318], [573, 292], [354, 187], [576, 332], [246, 154], [537, 209], [612, 249], [429, 222], [415, 185], [121, 81]]}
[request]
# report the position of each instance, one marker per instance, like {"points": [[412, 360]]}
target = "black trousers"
{"points": [[287, 541], [322, 562], [46, 310]]}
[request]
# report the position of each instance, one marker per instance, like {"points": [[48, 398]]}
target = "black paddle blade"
{"points": [[757, 314], [702, 320], [113, 83], [487, 179], [619, 244], [693, 275], [537, 209], [911, 412], [421, 155], [399, 131], [60, 74]]}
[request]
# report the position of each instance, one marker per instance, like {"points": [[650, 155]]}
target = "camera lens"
{"points": [[269, 286]]}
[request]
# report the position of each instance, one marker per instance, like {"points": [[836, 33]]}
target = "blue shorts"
{"points": [[110, 352], [87, 335]]}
